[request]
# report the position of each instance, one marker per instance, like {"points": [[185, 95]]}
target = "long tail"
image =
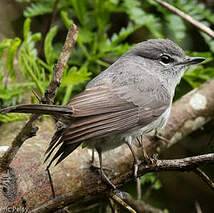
{"points": [[38, 109]]}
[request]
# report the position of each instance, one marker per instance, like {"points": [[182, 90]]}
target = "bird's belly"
{"points": [[105, 143]]}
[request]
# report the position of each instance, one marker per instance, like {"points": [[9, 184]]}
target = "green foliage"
{"points": [[71, 78], [199, 74], [151, 179], [11, 54], [38, 8], [12, 117], [28, 58], [50, 55]]}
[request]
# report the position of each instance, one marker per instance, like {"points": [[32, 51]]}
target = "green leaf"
{"points": [[26, 28], [13, 117], [71, 78], [114, 1], [208, 40], [122, 35], [11, 53], [48, 47], [68, 22], [141, 18], [74, 76], [177, 26], [150, 178], [157, 185], [3, 45], [80, 10], [26, 1], [85, 35], [38, 8]]}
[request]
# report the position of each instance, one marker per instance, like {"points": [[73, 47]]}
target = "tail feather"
{"points": [[38, 109]]}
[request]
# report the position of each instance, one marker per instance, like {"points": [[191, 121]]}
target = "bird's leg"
{"points": [[51, 182], [103, 175], [92, 157], [147, 158], [145, 155], [136, 160]]}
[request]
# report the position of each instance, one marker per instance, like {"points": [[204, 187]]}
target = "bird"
{"points": [[130, 98]]}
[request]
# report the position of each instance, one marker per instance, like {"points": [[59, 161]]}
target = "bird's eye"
{"points": [[165, 59]]}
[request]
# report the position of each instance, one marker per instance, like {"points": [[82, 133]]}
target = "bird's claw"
{"points": [[136, 164]]}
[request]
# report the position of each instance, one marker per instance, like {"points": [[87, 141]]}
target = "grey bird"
{"points": [[130, 98]]}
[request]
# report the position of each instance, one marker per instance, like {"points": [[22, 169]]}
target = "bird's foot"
{"points": [[136, 164], [151, 159]]}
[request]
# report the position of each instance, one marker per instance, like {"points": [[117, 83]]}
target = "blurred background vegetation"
{"points": [[107, 29]]}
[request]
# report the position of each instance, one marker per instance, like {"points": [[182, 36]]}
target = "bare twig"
{"points": [[113, 205], [29, 130], [184, 164], [121, 202], [50, 92], [139, 205], [197, 207], [139, 190], [204, 177], [36, 95], [188, 18]]}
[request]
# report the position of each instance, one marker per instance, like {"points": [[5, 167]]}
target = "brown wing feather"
{"points": [[103, 111], [98, 100]]}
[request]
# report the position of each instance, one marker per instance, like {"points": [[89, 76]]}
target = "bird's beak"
{"points": [[192, 60], [195, 60]]}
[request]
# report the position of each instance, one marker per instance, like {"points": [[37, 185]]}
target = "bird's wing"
{"points": [[103, 111]]}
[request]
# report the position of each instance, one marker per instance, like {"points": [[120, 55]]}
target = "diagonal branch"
{"points": [[29, 130], [50, 92], [188, 18], [204, 177]]}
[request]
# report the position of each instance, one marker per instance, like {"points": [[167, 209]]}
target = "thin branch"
{"points": [[50, 92], [139, 190], [184, 164], [188, 18], [197, 207], [204, 177], [29, 130], [121, 202], [139, 205]]}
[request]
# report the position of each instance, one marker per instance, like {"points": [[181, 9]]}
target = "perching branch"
{"points": [[29, 130], [187, 17], [81, 184], [185, 164]]}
